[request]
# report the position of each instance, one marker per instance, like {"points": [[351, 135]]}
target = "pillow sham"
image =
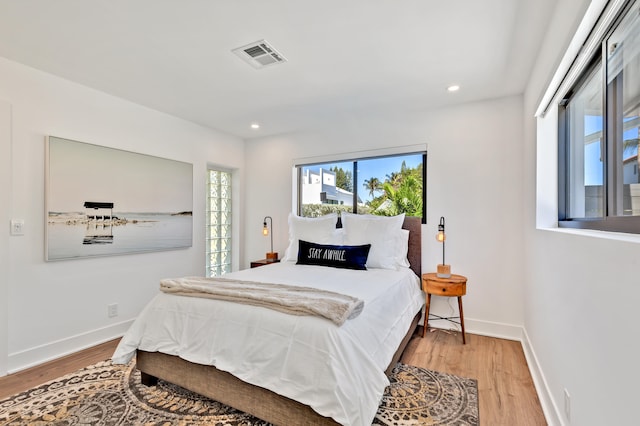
{"points": [[347, 257], [382, 232], [402, 249], [320, 230]]}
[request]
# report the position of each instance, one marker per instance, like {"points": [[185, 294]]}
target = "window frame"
{"points": [[608, 222], [354, 161]]}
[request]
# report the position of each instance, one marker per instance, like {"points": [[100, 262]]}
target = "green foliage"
{"points": [[317, 210], [402, 193], [406, 198], [344, 179]]}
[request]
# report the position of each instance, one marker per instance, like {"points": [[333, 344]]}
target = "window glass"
{"points": [[392, 185], [326, 188], [383, 186], [599, 122], [218, 223], [623, 91], [585, 172]]}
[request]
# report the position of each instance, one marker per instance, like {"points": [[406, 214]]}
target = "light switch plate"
{"points": [[17, 227]]}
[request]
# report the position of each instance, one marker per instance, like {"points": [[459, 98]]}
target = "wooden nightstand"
{"points": [[454, 286], [262, 262]]}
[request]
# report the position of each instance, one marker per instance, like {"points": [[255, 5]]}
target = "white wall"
{"points": [[5, 202], [581, 288], [59, 307], [473, 174]]}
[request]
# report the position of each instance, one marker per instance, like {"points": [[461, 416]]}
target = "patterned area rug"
{"points": [[106, 394]]}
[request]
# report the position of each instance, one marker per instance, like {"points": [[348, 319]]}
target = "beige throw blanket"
{"points": [[280, 297]]}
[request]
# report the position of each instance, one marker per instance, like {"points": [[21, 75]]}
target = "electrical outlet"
{"points": [[567, 404], [17, 227], [112, 310]]}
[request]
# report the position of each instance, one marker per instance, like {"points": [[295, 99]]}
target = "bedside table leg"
{"points": [[464, 340], [426, 314]]}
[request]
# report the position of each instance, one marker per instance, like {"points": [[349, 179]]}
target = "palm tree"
{"points": [[393, 177], [372, 185], [407, 198], [630, 145]]}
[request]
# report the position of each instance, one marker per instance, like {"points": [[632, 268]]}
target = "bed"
{"points": [[282, 368]]}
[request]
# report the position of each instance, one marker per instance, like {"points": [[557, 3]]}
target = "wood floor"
{"points": [[27, 379], [506, 392], [505, 388]]}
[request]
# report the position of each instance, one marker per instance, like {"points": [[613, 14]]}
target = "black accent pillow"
{"points": [[348, 257]]}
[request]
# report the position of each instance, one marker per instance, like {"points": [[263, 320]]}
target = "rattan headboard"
{"points": [[414, 255]]}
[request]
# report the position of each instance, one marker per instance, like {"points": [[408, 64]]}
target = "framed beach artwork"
{"points": [[103, 201]]}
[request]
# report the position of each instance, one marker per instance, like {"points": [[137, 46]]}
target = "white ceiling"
{"points": [[345, 57]]}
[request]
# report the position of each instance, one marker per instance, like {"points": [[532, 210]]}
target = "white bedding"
{"points": [[337, 371]]}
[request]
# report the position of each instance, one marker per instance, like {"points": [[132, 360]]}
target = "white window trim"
{"points": [[357, 155], [583, 45]]}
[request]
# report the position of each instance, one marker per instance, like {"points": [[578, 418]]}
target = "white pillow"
{"points": [[382, 232], [321, 230], [402, 249]]}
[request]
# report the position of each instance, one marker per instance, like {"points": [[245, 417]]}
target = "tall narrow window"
{"points": [[218, 223]]}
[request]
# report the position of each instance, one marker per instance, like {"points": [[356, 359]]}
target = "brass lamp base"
{"points": [[443, 271], [272, 256]]}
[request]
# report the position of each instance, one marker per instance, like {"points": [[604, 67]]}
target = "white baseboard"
{"points": [[493, 329], [482, 328], [34, 356], [551, 412]]}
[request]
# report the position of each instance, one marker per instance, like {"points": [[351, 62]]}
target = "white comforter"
{"points": [[336, 370]]}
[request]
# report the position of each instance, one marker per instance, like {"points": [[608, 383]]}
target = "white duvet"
{"points": [[336, 370]]}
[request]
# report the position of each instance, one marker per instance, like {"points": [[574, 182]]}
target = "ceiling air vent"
{"points": [[259, 54]]}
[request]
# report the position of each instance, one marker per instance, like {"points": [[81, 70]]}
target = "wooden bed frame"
{"points": [[262, 403]]}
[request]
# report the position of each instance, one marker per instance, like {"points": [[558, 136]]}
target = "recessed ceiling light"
{"points": [[453, 88], [255, 126]]}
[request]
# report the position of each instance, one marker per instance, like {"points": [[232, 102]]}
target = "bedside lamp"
{"points": [[444, 270], [271, 256]]}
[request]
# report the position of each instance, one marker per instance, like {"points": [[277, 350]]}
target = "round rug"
{"points": [[417, 396]]}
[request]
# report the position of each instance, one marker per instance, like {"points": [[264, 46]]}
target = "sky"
{"points": [[592, 159], [593, 171], [80, 172]]}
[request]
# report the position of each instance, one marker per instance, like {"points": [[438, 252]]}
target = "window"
{"points": [[385, 186], [218, 223], [599, 121]]}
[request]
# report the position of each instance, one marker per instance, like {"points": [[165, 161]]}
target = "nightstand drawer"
{"points": [[445, 289]]}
